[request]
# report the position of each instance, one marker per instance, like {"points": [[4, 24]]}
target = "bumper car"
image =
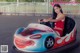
{"points": [[39, 38]]}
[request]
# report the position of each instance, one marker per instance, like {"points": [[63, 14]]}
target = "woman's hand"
{"points": [[49, 18], [45, 20], [40, 20]]}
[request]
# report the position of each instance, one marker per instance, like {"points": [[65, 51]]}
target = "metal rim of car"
{"points": [[49, 42]]}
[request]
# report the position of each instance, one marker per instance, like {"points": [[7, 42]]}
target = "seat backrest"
{"points": [[69, 25]]}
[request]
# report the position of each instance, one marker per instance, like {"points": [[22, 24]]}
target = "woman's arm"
{"points": [[57, 19], [44, 20]]}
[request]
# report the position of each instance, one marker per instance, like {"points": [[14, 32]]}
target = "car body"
{"points": [[38, 38]]}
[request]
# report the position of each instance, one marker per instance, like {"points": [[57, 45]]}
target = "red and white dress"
{"points": [[59, 27]]}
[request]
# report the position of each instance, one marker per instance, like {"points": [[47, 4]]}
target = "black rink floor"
{"points": [[9, 24]]}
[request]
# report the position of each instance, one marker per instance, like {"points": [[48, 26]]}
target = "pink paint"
{"points": [[52, 3]]}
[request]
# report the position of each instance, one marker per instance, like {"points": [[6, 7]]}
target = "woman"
{"points": [[59, 19]]}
